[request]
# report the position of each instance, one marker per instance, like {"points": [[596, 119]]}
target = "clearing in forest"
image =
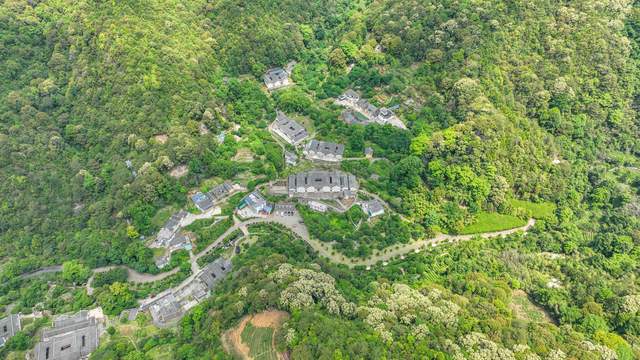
{"points": [[243, 155], [490, 222], [254, 337], [524, 309]]}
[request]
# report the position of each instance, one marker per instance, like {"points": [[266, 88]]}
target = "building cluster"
{"points": [[205, 201], [362, 112], [170, 237], [322, 184], [288, 129], [72, 337], [254, 205], [172, 305], [9, 326]]}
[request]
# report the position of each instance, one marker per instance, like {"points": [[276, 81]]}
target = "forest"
{"points": [[515, 110]]}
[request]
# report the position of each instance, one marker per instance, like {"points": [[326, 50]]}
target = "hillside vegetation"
{"points": [[515, 110]]}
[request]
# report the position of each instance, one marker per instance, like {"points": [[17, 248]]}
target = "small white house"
{"points": [[317, 206], [373, 208], [276, 78]]}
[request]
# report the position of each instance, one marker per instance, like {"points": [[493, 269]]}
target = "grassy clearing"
{"points": [[259, 340], [162, 352], [208, 230], [526, 310], [489, 222], [535, 210]]}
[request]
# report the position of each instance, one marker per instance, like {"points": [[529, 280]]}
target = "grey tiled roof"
{"points": [[71, 338], [202, 201], [291, 129], [220, 191], [325, 148], [275, 75], [320, 178], [9, 326], [215, 272]]}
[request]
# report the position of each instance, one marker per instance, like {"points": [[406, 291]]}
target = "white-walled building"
{"points": [[324, 151], [276, 78], [289, 130], [319, 184]]}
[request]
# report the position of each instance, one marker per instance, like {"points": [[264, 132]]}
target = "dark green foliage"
{"points": [[353, 235], [109, 277]]}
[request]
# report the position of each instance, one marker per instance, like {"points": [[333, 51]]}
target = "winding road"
{"points": [[295, 223]]}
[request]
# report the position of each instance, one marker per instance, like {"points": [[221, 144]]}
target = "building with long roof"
{"points": [[324, 151], [72, 337], [9, 326], [288, 129], [322, 184]]}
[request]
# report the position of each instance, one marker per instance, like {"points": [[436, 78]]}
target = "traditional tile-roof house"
{"points": [[373, 208], [206, 201], [324, 151], [349, 98], [9, 326], [368, 152], [367, 108], [289, 130], [276, 78], [169, 230], [254, 205], [352, 117], [215, 272], [317, 206], [290, 158], [319, 184], [202, 201], [221, 191], [173, 304], [382, 116], [284, 209], [72, 337]]}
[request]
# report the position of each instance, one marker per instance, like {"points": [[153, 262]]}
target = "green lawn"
{"points": [[489, 222], [259, 341], [162, 352], [535, 210], [208, 230]]}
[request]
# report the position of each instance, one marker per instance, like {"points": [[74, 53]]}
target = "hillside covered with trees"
{"points": [[515, 110]]}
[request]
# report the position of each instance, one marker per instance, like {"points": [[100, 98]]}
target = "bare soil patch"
{"points": [[179, 171], [243, 155], [232, 338], [161, 138]]}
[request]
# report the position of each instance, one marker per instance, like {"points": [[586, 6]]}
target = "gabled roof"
{"points": [[325, 147], [275, 75], [256, 201], [221, 190], [291, 129], [202, 201], [215, 272], [321, 178]]}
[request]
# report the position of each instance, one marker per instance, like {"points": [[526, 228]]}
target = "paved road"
{"points": [[295, 224]]}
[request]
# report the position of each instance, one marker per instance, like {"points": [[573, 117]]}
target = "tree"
{"points": [[75, 272], [338, 59], [116, 298]]}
